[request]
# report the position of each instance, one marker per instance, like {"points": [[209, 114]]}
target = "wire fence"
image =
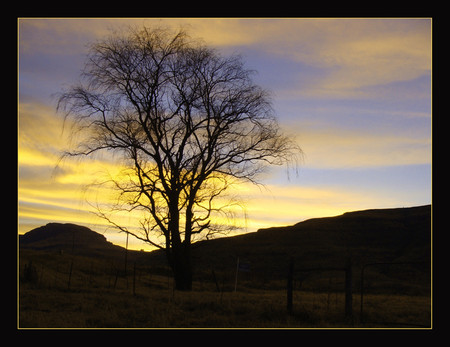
{"points": [[329, 290]]}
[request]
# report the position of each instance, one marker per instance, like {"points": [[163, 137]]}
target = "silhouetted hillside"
{"points": [[69, 238], [370, 236], [383, 235], [93, 284]]}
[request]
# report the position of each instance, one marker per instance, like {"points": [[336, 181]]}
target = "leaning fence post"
{"points": [[290, 281]]}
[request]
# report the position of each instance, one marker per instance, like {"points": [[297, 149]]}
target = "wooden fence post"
{"points": [[348, 290], [134, 279], [70, 274], [290, 281]]}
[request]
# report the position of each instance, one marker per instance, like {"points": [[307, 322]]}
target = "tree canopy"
{"points": [[187, 122]]}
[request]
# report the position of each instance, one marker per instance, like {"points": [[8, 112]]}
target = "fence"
{"points": [[67, 272], [386, 320], [397, 301], [348, 285]]}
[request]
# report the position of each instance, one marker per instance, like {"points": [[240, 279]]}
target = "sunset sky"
{"points": [[355, 93]]}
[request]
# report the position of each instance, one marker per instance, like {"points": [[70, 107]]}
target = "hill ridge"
{"points": [[366, 235], [67, 237], [399, 234]]}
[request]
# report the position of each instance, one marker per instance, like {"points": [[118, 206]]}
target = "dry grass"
{"points": [[99, 296], [150, 308], [164, 308]]}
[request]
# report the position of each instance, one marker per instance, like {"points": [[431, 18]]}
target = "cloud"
{"points": [[70, 35], [353, 54], [349, 54], [345, 56], [339, 148], [287, 204], [380, 61], [46, 184], [41, 134], [62, 36]]}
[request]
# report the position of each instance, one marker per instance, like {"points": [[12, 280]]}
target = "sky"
{"points": [[355, 93]]}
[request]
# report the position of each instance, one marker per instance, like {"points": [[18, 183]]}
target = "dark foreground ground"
{"points": [[90, 298]]}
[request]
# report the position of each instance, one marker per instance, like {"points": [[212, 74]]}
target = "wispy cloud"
{"points": [[348, 54], [352, 54], [338, 148], [287, 204]]}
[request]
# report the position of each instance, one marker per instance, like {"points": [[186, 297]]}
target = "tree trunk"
{"points": [[178, 252], [181, 267]]}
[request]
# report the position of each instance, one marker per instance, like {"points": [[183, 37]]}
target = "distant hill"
{"points": [[401, 235], [378, 235], [69, 238]]}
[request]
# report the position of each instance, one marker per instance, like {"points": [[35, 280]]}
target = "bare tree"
{"points": [[186, 120]]}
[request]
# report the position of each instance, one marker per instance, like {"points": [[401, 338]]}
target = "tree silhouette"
{"points": [[187, 121]]}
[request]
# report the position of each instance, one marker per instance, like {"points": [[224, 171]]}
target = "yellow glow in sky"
{"points": [[355, 93]]}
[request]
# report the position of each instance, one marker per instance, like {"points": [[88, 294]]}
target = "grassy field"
{"points": [[77, 292], [108, 308]]}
